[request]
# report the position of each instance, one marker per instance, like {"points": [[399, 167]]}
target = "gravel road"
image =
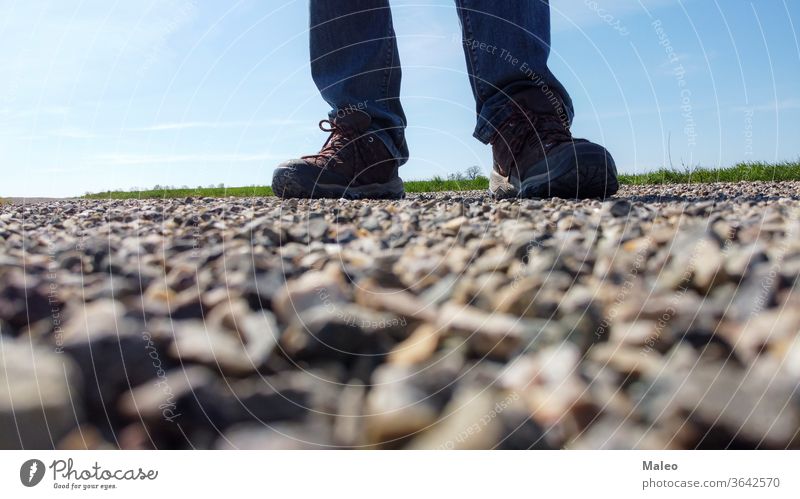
{"points": [[666, 317]]}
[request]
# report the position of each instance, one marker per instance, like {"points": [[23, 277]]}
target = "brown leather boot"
{"points": [[535, 156], [353, 164]]}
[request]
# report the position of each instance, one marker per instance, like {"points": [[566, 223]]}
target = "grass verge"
{"points": [[742, 172]]}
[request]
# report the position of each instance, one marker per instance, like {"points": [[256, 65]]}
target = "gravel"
{"points": [[664, 318]]}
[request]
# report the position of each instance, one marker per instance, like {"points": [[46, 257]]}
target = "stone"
{"points": [[497, 336], [630, 363], [39, 396], [238, 347], [342, 333], [417, 348], [663, 317], [157, 399], [102, 381], [313, 289], [26, 298], [479, 419], [549, 384], [619, 208], [276, 436], [716, 406], [396, 409], [611, 433], [348, 428]]}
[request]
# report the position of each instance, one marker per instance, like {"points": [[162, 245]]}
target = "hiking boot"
{"points": [[535, 156], [353, 164]]}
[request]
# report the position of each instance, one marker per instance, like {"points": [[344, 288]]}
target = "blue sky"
{"points": [[103, 94]]}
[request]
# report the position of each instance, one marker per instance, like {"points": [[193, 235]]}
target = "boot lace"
{"points": [[340, 137]]}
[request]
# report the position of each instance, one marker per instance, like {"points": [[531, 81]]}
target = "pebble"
{"points": [[663, 318], [37, 386]]}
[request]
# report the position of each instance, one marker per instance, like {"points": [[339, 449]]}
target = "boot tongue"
{"points": [[355, 119]]}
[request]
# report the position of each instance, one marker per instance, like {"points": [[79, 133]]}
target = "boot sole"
{"points": [[579, 171], [304, 181]]}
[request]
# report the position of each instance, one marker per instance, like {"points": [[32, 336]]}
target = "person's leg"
{"points": [[507, 45], [356, 66], [523, 110]]}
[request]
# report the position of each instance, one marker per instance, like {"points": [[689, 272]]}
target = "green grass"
{"points": [[211, 192], [435, 185], [439, 185], [742, 172]]}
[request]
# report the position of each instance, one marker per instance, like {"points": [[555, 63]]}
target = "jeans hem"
{"points": [[486, 128]]}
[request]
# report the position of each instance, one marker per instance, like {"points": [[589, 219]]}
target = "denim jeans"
{"points": [[355, 63]]}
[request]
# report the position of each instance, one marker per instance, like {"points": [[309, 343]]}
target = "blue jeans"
{"points": [[355, 63]]}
